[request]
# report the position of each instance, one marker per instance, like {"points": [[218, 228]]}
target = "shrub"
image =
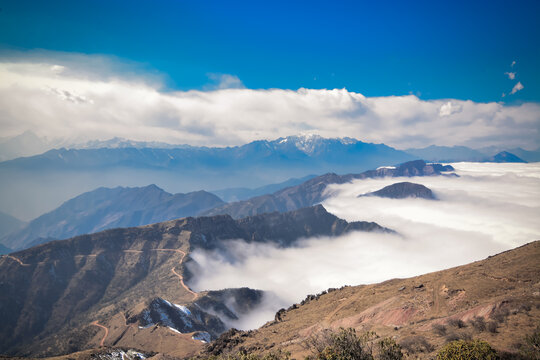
{"points": [[478, 323], [500, 314], [457, 323], [343, 345], [416, 343], [439, 329], [492, 326], [531, 348], [465, 350], [389, 350]]}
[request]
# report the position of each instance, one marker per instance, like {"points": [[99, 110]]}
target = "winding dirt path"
{"points": [[95, 323], [180, 277]]}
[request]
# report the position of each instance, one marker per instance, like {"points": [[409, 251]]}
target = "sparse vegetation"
{"points": [[465, 350], [531, 348], [458, 323], [346, 344], [453, 336]]}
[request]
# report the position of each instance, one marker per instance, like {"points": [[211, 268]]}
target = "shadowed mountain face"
{"points": [[51, 294], [106, 208], [312, 191], [403, 190]]}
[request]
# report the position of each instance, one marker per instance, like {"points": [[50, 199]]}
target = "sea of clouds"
{"points": [[489, 208]]}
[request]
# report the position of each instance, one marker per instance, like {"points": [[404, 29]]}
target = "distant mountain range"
{"points": [[106, 208], [58, 297], [33, 185], [238, 194], [313, 191], [463, 153]]}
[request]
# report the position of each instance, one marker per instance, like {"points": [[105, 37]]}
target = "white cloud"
{"points": [[224, 81], [517, 88], [489, 209], [89, 104], [511, 75], [448, 109]]}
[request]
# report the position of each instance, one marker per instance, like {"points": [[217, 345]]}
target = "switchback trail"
{"points": [[17, 260], [173, 270], [95, 323]]}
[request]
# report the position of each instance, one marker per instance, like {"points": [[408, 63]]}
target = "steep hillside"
{"points": [[126, 287], [312, 192], [496, 299], [106, 208]]}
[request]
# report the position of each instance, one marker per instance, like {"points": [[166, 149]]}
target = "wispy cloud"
{"points": [[511, 75], [88, 104], [517, 88], [224, 81]]}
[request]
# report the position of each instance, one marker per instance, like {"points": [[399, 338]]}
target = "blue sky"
{"points": [[433, 49]]}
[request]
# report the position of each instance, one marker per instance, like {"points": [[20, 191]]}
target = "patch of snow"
{"points": [[173, 329], [386, 167], [184, 309], [202, 336]]}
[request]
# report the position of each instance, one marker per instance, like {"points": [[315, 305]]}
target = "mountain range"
{"points": [[313, 191], [106, 208], [126, 287], [463, 153], [31, 186]]}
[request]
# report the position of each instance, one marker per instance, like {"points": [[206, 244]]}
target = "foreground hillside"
{"points": [[126, 287], [496, 299]]}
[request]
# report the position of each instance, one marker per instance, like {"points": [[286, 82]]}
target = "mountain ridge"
{"points": [[57, 297], [106, 208]]}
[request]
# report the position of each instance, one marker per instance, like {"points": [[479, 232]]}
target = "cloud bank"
{"points": [[80, 98], [489, 209]]}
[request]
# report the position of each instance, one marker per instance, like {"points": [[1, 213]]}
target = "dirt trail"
{"points": [[180, 277], [17, 260], [173, 270], [95, 323]]}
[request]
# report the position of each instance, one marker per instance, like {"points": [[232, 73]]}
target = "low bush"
{"points": [[478, 323], [465, 350], [439, 329], [415, 344]]}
